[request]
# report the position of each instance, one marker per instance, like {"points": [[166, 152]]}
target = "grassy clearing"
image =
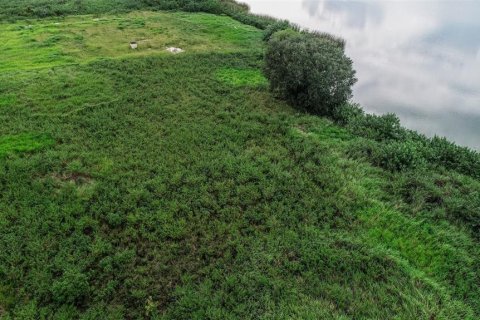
{"points": [[46, 43], [176, 187]]}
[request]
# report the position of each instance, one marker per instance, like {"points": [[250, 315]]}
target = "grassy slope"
{"points": [[79, 39], [155, 185]]}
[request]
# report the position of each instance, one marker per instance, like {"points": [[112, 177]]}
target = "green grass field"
{"points": [[146, 185], [31, 44]]}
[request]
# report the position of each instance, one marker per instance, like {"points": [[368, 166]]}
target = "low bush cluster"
{"points": [[231, 8], [397, 148], [400, 156]]}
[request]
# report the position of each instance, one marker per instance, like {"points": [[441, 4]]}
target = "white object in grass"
{"points": [[174, 50]]}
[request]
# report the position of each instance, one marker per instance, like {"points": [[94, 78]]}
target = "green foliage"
{"points": [[12, 9], [176, 190], [242, 77], [71, 288], [26, 142], [441, 196], [348, 113], [311, 72], [399, 156], [380, 128], [222, 207], [422, 150], [7, 100], [276, 27], [240, 12], [340, 42], [446, 153]]}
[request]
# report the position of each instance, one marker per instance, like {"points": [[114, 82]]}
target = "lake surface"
{"points": [[418, 59]]}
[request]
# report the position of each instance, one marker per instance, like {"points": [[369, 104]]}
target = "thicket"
{"points": [[396, 148], [310, 71]]}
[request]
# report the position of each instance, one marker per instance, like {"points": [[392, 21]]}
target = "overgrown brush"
{"points": [[397, 142]]}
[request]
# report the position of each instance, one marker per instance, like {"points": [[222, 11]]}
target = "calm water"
{"points": [[419, 59]]}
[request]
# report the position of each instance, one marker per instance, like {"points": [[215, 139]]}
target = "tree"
{"points": [[309, 70]]}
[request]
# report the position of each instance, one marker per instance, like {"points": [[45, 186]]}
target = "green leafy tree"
{"points": [[310, 71]]}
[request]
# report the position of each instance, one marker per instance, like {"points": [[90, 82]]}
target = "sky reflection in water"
{"points": [[419, 59]]}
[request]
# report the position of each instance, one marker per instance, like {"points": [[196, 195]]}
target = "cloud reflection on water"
{"points": [[419, 59]]}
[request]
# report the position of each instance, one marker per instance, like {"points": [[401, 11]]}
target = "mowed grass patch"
{"points": [[242, 77], [45, 43]]}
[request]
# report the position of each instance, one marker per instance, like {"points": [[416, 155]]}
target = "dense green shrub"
{"points": [[378, 127], [371, 126], [12, 9], [347, 113], [71, 288], [241, 12], [276, 27], [311, 72], [435, 151], [451, 156], [400, 156], [212, 6]]}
